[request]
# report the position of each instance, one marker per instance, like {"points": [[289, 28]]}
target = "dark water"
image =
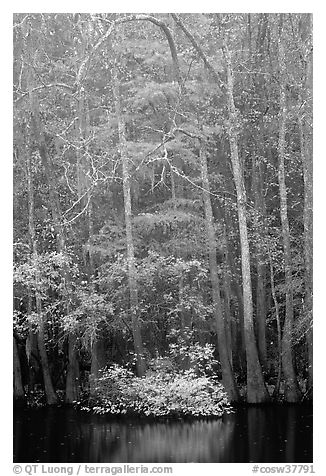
{"points": [[272, 434]]}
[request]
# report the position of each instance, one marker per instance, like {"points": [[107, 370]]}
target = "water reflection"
{"points": [[281, 434]]}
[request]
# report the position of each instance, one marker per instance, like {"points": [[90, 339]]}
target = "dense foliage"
{"points": [[166, 390], [162, 206], [160, 394]]}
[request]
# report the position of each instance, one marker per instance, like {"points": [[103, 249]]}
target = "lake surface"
{"points": [[270, 434]]}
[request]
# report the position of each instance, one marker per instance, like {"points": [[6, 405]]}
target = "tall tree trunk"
{"points": [[261, 311], [19, 394], [98, 354], [259, 85], [222, 336], [241, 348], [184, 314], [173, 188], [308, 252], [132, 275], [230, 322], [306, 155], [72, 380], [51, 397], [227, 312], [31, 347], [260, 264], [84, 195], [185, 325], [292, 391], [98, 361], [306, 144], [256, 388], [278, 327]]}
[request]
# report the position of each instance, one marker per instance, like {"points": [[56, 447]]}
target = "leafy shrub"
{"points": [[201, 357], [160, 393]]}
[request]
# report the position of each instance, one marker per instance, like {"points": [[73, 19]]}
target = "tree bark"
{"points": [[227, 312], [132, 274], [31, 347], [173, 188], [185, 325], [278, 327], [256, 388], [261, 311], [241, 347], [259, 85], [260, 264], [292, 391], [222, 335], [19, 394], [98, 361], [50, 395]]}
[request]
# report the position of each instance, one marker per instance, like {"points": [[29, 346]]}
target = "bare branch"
{"points": [[138, 17], [77, 201], [44, 86], [67, 179], [199, 50], [16, 25], [78, 214]]}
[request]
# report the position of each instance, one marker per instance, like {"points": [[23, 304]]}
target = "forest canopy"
{"points": [[163, 203]]}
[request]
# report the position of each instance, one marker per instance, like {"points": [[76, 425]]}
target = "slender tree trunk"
{"points": [[256, 389], [278, 327], [260, 265], [292, 391], [98, 359], [81, 185], [227, 313], [230, 324], [31, 347], [132, 275], [185, 325], [306, 143], [259, 85], [222, 336], [173, 190], [81, 128], [185, 316], [51, 397], [19, 394], [72, 380], [84, 185], [241, 349], [261, 311], [306, 154]]}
